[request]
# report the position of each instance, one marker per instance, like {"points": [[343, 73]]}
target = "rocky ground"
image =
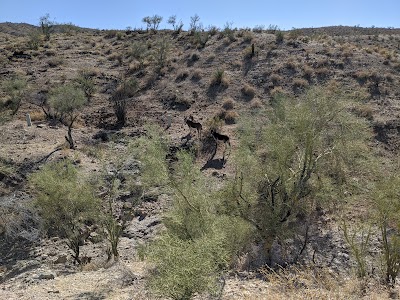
{"points": [[34, 266]]}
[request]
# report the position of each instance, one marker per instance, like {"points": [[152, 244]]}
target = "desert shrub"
{"points": [[228, 32], [322, 73], [290, 64], [66, 101], [86, 82], [248, 91], [228, 103], [46, 26], [258, 28], [139, 51], [364, 111], [177, 26], [248, 36], [161, 52], [276, 78], [255, 104], [119, 99], [65, 201], [200, 38], [34, 40], [196, 74], [308, 72], [276, 91], [300, 84], [299, 160], [18, 219], [195, 25], [386, 200], [212, 30], [151, 150], [279, 37], [198, 244], [358, 243], [55, 62], [15, 90], [219, 78], [231, 117], [182, 75], [111, 34], [152, 22]]}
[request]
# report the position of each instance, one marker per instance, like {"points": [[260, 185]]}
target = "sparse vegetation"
{"points": [[298, 197]]}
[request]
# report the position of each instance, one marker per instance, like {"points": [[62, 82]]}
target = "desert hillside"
{"points": [[93, 98]]}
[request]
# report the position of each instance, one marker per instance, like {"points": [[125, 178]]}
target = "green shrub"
{"points": [[298, 160], [86, 83], [66, 101], [15, 89], [386, 199], [279, 37], [65, 201]]}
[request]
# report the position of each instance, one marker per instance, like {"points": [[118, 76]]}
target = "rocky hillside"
{"points": [[176, 74]]}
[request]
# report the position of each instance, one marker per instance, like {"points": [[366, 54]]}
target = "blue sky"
{"points": [[119, 14]]}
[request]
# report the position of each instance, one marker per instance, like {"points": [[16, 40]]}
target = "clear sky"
{"points": [[119, 14]]}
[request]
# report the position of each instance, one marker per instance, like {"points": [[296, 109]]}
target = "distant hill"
{"points": [[348, 30], [17, 29], [23, 29]]}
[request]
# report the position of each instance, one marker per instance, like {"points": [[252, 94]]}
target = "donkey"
{"points": [[220, 137], [192, 124], [223, 138]]}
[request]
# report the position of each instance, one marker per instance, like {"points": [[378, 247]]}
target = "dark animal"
{"points": [[192, 124], [220, 137]]}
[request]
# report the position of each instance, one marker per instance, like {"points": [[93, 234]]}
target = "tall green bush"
{"points": [[66, 201], [297, 157]]}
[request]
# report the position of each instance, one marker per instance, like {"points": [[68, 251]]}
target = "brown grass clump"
{"points": [[276, 91], [255, 104], [219, 79], [182, 75], [55, 62], [196, 74], [248, 91], [308, 72], [300, 83], [228, 104], [275, 78], [364, 111], [229, 116], [322, 73], [290, 64], [37, 115]]}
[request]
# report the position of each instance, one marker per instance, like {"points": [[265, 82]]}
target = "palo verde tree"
{"points": [[199, 243], [66, 101], [386, 202], [297, 157], [152, 22], [65, 201]]}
